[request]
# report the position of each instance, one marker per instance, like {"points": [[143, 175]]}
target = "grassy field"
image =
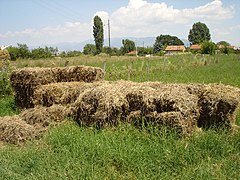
{"points": [[126, 152]]}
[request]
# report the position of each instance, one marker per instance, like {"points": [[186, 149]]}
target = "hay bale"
{"points": [[25, 81], [184, 107], [81, 73], [127, 101], [42, 117], [31, 123], [217, 103], [60, 93], [218, 106], [15, 131]]}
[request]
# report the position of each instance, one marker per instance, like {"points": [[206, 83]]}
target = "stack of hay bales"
{"points": [[132, 102], [57, 93], [182, 106], [25, 81]]}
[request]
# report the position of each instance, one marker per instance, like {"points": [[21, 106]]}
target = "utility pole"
{"points": [[109, 38]]}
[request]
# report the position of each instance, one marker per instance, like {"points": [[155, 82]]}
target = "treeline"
{"points": [[21, 51], [199, 34]]}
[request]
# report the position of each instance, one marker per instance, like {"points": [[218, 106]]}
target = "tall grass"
{"points": [[72, 152], [126, 152], [178, 69]]}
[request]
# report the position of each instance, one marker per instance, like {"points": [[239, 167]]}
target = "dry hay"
{"points": [[127, 101], [25, 81], [14, 130], [42, 117], [61, 93], [218, 106], [185, 107], [30, 124]]}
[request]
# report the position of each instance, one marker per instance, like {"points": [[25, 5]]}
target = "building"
{"points": [[133, 53], [175, 49], [195, 47]]}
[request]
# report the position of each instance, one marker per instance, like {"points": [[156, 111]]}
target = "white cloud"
{"points": [[139, 18], [69, 32]]}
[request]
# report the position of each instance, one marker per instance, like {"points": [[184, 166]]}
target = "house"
{"points": [[175, 49], [132, 53], [195, 47]]}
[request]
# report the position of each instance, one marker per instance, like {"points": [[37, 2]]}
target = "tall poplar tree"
{"points": [[98, 34]]}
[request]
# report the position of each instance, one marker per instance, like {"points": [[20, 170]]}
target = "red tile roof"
{"points": [[195, 47], [175, 48]]}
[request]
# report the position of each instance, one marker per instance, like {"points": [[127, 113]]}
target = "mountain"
{"points": [[115, 42]]}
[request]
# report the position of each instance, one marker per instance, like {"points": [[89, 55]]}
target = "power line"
{"points": [[54, 8]]}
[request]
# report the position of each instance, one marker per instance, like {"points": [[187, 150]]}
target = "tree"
{"points": [[144, 51], [98, 34], [164, 40], [89, 49], [23, 51], [224, 47], [199, 33], [128, 46], [224, 43], [20, 52], [208, 47], [13, 51]]}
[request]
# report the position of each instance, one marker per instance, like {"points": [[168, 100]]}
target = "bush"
{"points": [[5, 84], [208, 47]]}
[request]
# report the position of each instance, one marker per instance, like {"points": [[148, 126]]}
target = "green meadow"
{"points": [[70, 151]]}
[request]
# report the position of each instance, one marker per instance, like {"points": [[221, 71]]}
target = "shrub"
{"points": [[5, 84], [208, 47]]}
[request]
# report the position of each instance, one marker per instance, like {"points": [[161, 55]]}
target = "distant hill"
{"points": [[115, 42]]}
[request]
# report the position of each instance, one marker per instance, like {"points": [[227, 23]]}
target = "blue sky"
{"points": [[39, 22]]}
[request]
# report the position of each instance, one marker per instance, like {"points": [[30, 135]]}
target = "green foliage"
{"points": [[98, 34], [89, 49], [144, 51], [8, 106], [199, 33], [208, 47], [19, 52], [22, 52], [224, 43], [5, 84], [163, 40], [70, 54], [128, 46], [46, 52]]}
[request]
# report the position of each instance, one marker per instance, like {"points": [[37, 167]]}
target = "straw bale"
{"points": [[81, 73], [42, 117], [14, 130], [60, 93], [127, 101], [218, 106], [25, 81], [31, 123]]}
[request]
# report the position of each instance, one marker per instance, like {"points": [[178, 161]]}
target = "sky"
{"points": [[42, 22]]}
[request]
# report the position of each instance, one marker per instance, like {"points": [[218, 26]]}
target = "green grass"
{"points": [[126, 152], [7, 106]]}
